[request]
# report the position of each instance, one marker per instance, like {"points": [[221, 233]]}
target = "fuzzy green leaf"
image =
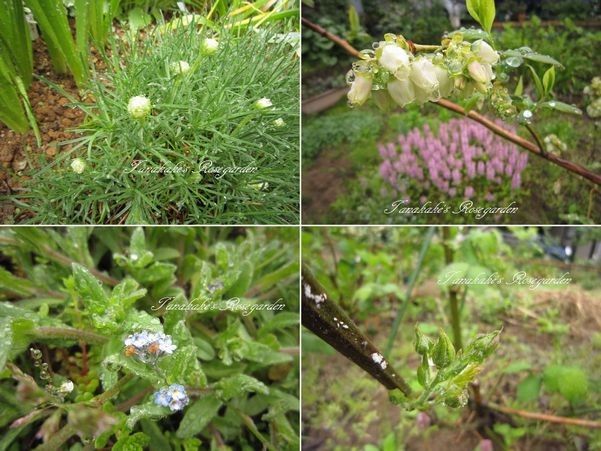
{"points": [[183, 366], [135, 442], [148, 410], [6, 340], [198, 416], [238, 385], [89, 288], [131, 365]]}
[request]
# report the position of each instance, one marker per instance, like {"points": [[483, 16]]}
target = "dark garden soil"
{"points": [[580, 310], [54, 118], [323, 183]]}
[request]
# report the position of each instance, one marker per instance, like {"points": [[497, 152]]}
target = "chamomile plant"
{"points": [[182, 126], [115, 338]]}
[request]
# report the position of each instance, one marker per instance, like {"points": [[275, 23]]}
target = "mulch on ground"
{"points": [[55, 117]]}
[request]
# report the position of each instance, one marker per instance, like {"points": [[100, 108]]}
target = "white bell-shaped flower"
{"points": [[395, 60], [484, 52], [360, 90], [402, 92]]}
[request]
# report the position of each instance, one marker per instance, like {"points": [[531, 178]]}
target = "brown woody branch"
{"points": [[546, 417], [327, 320], [502, 132]]}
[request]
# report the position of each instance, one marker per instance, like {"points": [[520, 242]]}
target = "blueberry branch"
{"points": [[328, 321], [492, 126]]}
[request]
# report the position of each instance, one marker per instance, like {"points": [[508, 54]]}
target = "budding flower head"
{"points": [[263, 103], [180, 67], [209, 46], [174, 397], [139, 107], [78, 165], [422, 343], [148, 346], [279, 122], [443, 352]]}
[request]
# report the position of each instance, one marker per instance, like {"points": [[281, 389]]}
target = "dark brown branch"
{"points": [[327, 320], [502, 132]]}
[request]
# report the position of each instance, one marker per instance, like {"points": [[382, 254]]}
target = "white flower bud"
{"points": [[180, 67], [395, 60], [360, 90], [209, 46], [479, 72], [78, 165], [139, 107], [425, 80], [485, 52], [401, 91], [263, 103], [279, 122]]}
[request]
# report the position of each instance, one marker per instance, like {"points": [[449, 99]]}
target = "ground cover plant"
{"points": [[214, 139], [160, 339], [521, 303], [510, 83]]}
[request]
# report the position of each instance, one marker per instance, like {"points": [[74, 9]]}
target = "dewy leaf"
{"points": [[135, 442], [243, 282], [238, 385], [546, 59], [183, 366], [563, 107], [198, 416], [90, 290], [148, 410], [128, 292], [6, 340], [263, 354], [137, 320], [131, 365]]}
